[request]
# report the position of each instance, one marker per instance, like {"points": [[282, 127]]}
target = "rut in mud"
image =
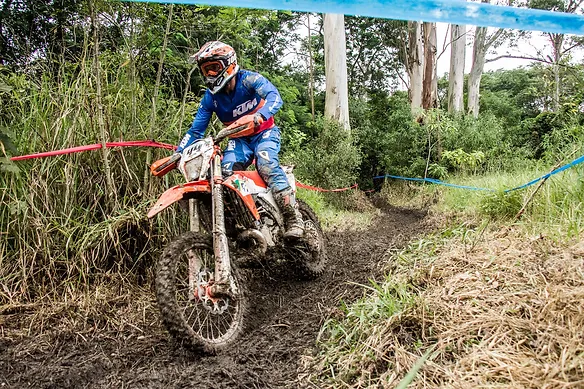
{"points": [[285, 317]]}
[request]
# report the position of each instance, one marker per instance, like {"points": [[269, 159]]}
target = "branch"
{"points": [[531, 59], [517, 57], [571, 47], [493, 38], [403, 80]]}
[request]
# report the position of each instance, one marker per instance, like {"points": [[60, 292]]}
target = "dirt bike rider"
{"points": [[233, 93]]}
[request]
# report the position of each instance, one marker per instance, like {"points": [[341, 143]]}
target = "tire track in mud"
{"points": [[285, 318]]}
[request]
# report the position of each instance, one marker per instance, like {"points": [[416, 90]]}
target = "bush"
{"points": [[501, 204], [391, 141], [331, 159]]}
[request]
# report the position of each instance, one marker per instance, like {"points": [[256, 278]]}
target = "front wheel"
{"points": [[308, 254], [192, 315]]}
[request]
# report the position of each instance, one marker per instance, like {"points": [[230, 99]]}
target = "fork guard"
{"points": [[177, 193]]}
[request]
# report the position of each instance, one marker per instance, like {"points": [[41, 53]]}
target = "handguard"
{"points": [[162, 166], [243, 126]]}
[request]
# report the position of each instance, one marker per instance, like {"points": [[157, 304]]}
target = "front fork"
{"points": [[223, 281]]}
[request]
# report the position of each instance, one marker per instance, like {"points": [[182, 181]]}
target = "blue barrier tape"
{"points": [[545, 176], [447, 11], [433, 181], [532, 182]]}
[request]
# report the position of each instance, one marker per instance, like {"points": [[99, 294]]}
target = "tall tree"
{"points": [[373, 60], [430, 83], [415, 64], [560, 43], [456, 76], [335, 52], [481, 45]]}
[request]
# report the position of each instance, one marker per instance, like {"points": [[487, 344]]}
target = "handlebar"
{"points": [[224, 133], [161, 167]]}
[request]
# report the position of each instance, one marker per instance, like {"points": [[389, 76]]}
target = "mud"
{"points": [[285, 320]]}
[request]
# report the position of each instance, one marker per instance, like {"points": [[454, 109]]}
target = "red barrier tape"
{"points": [[144, 143], [310, 187], [78, 149]]}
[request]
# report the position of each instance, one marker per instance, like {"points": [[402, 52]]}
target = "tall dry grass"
{"points": [[496, 308], [60, 231]]}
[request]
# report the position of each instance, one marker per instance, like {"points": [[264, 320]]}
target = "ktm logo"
{"points": [[245, 107]]}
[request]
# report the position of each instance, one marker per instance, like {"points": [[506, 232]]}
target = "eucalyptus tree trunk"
{"points": [[311, 68], [335, 59], [557, 41], [482, 43], [430, 83], [415, 65], [456, 76], [476, 72]]}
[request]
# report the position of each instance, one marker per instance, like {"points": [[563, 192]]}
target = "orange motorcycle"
{"points": [[200, 287]]}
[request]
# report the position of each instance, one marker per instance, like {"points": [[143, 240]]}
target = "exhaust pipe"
{"points": [[256, 235]]}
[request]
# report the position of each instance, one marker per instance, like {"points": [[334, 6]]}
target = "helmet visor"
{"points": [[211, 69]]}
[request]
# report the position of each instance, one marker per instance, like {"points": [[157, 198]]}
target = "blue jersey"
{"points": [[253, 93]]}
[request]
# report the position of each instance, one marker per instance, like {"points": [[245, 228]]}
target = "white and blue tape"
{"points": [[448, 11]]}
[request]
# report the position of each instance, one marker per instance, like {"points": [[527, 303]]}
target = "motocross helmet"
{"points": [[218, 64]]}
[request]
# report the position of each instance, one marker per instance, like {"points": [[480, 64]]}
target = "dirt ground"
{"points": [[287, 315]]}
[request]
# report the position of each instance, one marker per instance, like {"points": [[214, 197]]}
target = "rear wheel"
{"points": [[308, 254], [189, 311]]}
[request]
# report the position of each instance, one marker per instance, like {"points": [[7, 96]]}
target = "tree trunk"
{"points": [[311, 68], [430, 83], [415, 65], [335, 58], [557, 41], [476, 72], [456, 76]]}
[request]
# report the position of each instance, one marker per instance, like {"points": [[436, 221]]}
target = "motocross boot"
{"points": [[292, 218]]}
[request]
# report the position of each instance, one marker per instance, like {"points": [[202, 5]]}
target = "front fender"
{"points": [[176, 193]]}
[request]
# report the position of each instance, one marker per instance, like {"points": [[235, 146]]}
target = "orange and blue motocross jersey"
{"points": [[253, 93]]}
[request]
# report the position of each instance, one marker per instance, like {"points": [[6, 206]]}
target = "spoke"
{"points": [[198, 320], [205, 321], [193, 309]]}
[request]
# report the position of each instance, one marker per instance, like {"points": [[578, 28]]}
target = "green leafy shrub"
{"points": [[331, 159], [502, 205], [391, 141], [463, 161]]}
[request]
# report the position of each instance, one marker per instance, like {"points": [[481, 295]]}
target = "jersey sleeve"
{"points": [[267, 91], [200, 123]]}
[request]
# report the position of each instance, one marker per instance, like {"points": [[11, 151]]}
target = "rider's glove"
{"points": [[258, 119]]}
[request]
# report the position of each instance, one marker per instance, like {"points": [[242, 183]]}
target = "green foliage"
{"points": [[502, 205], [347, 342], [513, 95], [391, 141], [437, 171], [463, 161], [372, 49], [330, 159]]}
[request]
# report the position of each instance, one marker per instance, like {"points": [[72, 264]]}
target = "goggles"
{"points": [[212, 68]]}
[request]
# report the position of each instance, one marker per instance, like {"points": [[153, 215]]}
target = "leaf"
{"points": [[409, 378], [17, 207], [5, 88], [9, 168]]}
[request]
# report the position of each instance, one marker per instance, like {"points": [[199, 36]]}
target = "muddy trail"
{"points": [[286, 316]]}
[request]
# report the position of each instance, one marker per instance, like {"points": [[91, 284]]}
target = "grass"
{"points": [[350, 212], [498, 297], [556, 209], [354, 348], [61, 230], [494, 308]]}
